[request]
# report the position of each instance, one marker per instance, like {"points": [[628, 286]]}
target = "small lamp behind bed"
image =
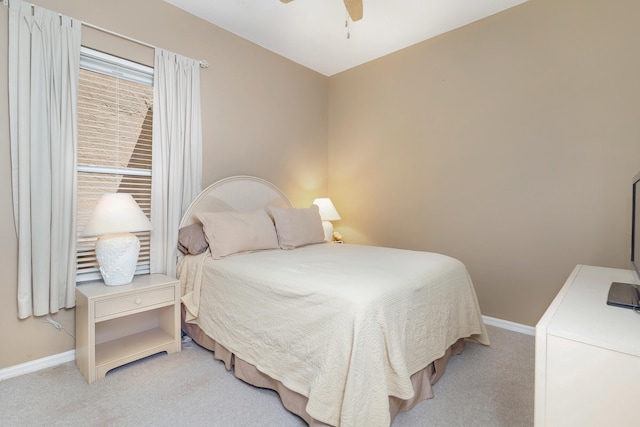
{"points": [[328, 213]]}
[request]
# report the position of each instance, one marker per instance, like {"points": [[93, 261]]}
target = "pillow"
{"points": [[298, 227], [191, 239], [233, 232]]}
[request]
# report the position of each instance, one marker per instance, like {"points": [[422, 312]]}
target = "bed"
{"points": [[348, 335]]}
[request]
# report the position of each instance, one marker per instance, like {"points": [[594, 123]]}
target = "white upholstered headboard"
{"points": [[238, 193]]}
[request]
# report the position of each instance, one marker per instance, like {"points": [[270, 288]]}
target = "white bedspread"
{"points": [[345, 325]]}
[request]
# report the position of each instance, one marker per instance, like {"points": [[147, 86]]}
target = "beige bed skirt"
{"points": [[422, 380]]}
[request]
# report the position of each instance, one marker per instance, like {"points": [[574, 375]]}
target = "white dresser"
{"points": [[587, 369]]}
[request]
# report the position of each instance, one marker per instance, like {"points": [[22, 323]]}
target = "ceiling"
{"points": [[313, 32]]}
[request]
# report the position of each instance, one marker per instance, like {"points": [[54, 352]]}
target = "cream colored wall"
{"points": [[262, 115], [509, 143]]}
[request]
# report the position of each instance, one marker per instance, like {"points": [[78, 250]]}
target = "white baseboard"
{"points": [[70, 356], [511, 326], [38, 364]]}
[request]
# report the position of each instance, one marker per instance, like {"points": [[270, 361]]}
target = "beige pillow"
{"points": [[232, 232], [298, 227]]}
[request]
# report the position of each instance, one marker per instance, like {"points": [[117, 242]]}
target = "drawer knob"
{"points": [[138, 300]]}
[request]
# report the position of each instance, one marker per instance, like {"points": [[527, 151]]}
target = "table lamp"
{"points": [[328, 213], [114, 219]]}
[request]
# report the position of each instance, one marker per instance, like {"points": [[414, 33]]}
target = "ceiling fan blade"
{"points": [[354, 7]]}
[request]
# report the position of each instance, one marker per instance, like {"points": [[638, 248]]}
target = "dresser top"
{"points": [[580, 311]]}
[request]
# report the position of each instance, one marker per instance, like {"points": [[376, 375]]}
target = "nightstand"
{"points": [[116, 325]]}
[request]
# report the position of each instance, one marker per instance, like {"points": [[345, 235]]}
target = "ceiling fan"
{"points": [[354, 8]]}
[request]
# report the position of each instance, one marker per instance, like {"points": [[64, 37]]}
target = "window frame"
{"points": [[120, 68]]}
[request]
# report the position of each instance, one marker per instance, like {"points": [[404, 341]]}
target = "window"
{"points": [[115, 112]]}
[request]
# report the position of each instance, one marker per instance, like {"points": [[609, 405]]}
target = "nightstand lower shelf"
{"points": [[121, 351]]}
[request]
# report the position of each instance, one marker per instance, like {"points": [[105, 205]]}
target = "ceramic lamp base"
{"points": [[117, 255], [328, 231]]}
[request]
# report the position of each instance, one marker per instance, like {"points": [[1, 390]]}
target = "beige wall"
{"points": [[262, 115], [509, 143]]}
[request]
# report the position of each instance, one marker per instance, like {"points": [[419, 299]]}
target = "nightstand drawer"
{"points": [[134, 301]]}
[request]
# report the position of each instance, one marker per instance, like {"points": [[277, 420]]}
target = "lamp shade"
{"points": [[116, 213], [328, 212]]}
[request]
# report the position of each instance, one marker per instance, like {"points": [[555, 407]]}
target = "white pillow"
{"points": [[233, 232], [298, 227]]}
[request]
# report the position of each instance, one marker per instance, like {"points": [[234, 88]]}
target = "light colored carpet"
{"points": [[484, 386]]}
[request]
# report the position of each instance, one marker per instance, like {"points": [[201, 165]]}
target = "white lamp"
{"points": [[328, 213], [114, 218]]}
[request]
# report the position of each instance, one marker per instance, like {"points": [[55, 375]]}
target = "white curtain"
{"points": [[44, 55], [177, 152]]}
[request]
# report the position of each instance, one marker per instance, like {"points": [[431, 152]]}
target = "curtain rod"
{"points": [[121, 36], [203, 63]]}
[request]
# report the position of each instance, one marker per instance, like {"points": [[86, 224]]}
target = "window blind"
{"points": [[115, 115]]}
